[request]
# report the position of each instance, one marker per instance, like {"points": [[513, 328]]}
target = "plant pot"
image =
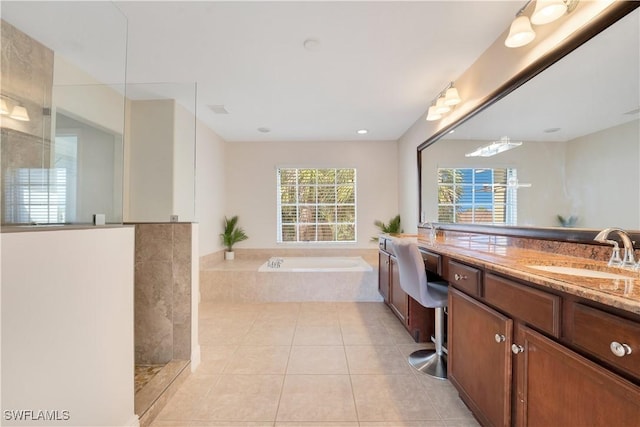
{"points": [[229, 255]]}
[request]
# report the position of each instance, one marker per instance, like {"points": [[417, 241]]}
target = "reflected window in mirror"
{"points": [[477, 196]]}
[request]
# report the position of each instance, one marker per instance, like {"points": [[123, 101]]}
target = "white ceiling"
{"points": [[377, 66]]}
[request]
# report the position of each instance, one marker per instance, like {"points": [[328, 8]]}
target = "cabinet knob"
{"points": [[620, 350], [459, 276], [515, 348], [500, 338]]}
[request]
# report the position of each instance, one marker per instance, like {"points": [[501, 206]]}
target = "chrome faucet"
{"points": [[432, 231], [274, 262], [629, 258]]}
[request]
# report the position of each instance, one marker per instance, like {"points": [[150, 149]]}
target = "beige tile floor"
{"points": [[309, 365]]}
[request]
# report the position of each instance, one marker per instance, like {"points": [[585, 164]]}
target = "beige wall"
{"points": [[184, 163], [210, 188], [612, 199], [80, 95], [150, 161], [251, 183], [492, 69], [67, 324]]}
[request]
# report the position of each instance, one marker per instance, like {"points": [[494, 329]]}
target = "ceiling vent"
{"points": [[218, 109]]}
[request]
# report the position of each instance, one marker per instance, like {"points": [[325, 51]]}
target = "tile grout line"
{"points": [[284, 377]]}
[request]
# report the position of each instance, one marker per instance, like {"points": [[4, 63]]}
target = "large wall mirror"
{"points": [[558, 156]]}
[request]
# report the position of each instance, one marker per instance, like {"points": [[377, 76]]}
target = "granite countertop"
{"points": [[483, 251]]}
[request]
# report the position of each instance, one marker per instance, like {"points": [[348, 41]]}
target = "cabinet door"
{"points": [[557, 387], [398, 298], [480, 358], [383, 275]]}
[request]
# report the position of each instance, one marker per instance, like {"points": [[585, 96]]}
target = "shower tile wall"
{"points": [[26, 70], [162, 292]]}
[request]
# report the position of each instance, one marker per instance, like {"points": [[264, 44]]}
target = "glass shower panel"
{"points": [[62, 161]]}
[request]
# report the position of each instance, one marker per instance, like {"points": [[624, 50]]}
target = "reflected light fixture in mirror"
{"points": [[4, 109], [496, 147], [19, 113]]}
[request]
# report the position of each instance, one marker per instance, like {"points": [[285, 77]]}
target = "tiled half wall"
{"points": [[162, 292]]}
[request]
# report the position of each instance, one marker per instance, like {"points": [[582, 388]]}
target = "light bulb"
{"points": [[547, 11], [452, 97], [520, 32], [441, 108], [432, 115]]}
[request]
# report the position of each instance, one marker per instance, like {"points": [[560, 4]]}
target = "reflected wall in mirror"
{"points": [[578, 164], [65, 163]]}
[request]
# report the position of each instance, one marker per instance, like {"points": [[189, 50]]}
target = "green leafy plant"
{"points": [[232, 233], [392, 228], [567, 222]]}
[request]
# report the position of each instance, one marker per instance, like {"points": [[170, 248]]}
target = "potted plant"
{"points": [[392, 228], [232, 234]]}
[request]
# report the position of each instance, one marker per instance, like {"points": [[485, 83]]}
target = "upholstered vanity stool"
{"points": [[413, 280]]}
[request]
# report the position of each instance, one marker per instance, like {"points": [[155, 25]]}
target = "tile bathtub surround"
{"points": [[309, 364], [162, 292], [239, 281]]}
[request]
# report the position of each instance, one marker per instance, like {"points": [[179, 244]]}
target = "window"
{"points": [[477, 196], [35, 195], [316, 205]]}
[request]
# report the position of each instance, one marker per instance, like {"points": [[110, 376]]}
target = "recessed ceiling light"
{"points": [[264, 130], [362, 132], [452, 131], [551, 130], [311, 45]]}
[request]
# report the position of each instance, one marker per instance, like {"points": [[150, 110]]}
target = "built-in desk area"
{"points": [[535, 338]]}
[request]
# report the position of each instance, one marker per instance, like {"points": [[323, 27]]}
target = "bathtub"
{"points": [[315, 264]]}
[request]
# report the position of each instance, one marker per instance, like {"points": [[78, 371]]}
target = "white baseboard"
{"points": [[195, 357], [133, 422]]}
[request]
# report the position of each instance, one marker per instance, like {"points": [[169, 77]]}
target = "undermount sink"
{"points": [[582, 272]]}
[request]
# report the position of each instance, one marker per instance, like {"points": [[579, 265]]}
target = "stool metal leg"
{"points": [[432, 362]]}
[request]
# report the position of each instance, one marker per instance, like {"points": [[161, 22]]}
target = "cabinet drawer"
{"points": [[432, 262], [536, 308], [595, 330], [465, 278]]}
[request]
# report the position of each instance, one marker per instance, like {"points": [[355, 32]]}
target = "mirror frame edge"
{"points": [[611, 15]]}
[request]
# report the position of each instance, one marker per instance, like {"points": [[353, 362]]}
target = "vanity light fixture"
{"points": [[494, 148], [19, 113], [546, 11], [362, 131], [443, 103]]}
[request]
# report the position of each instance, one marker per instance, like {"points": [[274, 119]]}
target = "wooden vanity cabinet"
{"points": [[398, 299], [479, 359], [558, 387], [514, 362], [384, 260]]}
